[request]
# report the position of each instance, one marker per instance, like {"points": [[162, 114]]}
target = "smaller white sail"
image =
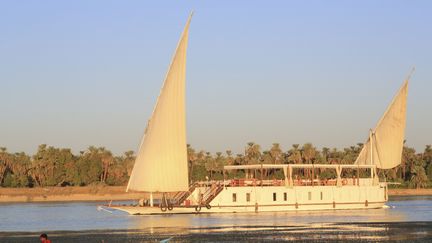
{"points": [[385, 143]]}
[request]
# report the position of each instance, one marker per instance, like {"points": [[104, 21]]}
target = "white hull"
{"points": [[261, 199]]}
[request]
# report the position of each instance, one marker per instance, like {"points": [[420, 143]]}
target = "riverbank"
{"points": [[66, 194], [410, 192], [115, 193]]}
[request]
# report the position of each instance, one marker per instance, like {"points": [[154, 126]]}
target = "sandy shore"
{"points": [[64, 194], [107, 193], [410, 192]]}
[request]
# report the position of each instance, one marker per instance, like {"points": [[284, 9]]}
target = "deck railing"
{"points": [[353, 181], [180, 197], [211, 192], [293, 180]]}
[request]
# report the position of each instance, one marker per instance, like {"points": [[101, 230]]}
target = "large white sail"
{"points": [[385, 143], [161, 163]]}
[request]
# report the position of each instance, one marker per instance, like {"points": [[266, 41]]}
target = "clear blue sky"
{"points": [[80, 73]]}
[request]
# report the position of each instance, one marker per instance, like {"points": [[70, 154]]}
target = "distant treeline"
{"points": [[52, 166]]}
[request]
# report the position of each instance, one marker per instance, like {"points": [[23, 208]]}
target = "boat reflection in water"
{"points": [[369, 225], [407, 218], [302, 220]]}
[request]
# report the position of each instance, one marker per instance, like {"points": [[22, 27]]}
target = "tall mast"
{"points": [[371, 146]]}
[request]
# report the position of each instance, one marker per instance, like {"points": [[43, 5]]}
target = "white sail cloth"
{"points": [[385, 149], [161, 163]]}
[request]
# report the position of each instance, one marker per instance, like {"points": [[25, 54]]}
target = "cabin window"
{"points": [[247, 197], [274, 196], [321, 195], [234, 197], [310, 195], [285, 196]]}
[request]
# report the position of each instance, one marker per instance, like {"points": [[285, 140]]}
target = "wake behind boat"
{"points": [[161, 165]]}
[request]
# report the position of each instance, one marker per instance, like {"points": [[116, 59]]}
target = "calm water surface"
{"points": [[77, 216]]}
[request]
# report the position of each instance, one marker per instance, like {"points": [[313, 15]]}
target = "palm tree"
{"points": [[309, 154], [192, 158], [129, 161], [427, 158], [418, 177], [229, 158], [42, 167], [239, 159], [325, 153], [4, 162], [51, 166], [210, 164], [220, 161], [295, 155], [252, 153], [107, 160], [266, 157], [408, 160], [335, 156], [19, 166], [276, 154]]}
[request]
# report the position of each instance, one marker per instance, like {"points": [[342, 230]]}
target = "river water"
{"points": [[84, 216]]}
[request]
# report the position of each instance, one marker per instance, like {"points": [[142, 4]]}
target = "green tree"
{"points": [[107, 160], [309, 153], [427, 158], [295, 155], [210, 164], [192, 159], [5, 161], [89, 167], [276, 154], [239, 160], [129, 161], [19, 170], [229, 158], [325, 152], [418, 177], [199, 171], [220, 161], [51, 166], [252, 153], [48, 165], [117, 173], [409, 158]]}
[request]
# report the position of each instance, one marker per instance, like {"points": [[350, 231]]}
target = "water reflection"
{"points": [[219, 222], [84, 216], [155, 223]]}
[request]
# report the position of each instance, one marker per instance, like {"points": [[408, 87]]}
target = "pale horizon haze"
{"points": [[81, 73]]}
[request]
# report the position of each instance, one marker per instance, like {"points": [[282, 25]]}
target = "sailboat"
{"points": [[161, 166], [161, 162], [385, 143]]}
